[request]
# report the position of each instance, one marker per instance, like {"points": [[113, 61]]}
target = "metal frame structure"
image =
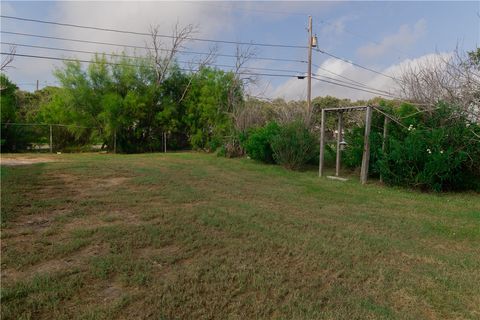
{"points": [[366, 141]]}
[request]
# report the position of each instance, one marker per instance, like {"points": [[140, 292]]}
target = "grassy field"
{"points": [[191, 236]]}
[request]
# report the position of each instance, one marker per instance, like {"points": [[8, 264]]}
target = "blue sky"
{"points": [[380, 35]]}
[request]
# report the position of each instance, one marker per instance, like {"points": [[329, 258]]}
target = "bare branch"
{"points": [[163, 56], [453, 79], [6, 62]]}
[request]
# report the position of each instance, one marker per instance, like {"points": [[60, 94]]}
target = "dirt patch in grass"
{"points": [[20, 160]]}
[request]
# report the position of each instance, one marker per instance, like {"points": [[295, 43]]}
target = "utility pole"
{"points": [[37, 85], [309, 76]]}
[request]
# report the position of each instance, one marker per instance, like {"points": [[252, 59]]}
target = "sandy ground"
{"points": [[19, 160]]}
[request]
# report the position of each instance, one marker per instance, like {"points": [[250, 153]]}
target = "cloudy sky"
{"points": [[382, 36]]}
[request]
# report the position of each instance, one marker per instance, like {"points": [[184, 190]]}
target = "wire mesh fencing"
{"points": [[39, 137]]}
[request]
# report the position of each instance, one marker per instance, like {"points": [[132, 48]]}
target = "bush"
{"points": [[438, 151], [442, 158], [258, 144], [294, 145], [353, 153]]}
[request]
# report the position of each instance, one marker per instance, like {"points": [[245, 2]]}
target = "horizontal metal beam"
{"points": [[346, 108]]}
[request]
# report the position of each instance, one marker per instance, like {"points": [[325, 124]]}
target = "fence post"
{"points": [[322, 144], [384, 141], [115, 141], [164, 142], [51, 137], [339, 140], [366, 146]]}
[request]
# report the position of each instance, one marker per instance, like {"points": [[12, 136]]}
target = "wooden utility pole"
{"points": [[51, 136], [37, 85], [322, 144], [339, 145], [309, 76], [366, 146]]}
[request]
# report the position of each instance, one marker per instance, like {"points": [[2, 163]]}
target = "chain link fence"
{"points": [[39, 137]]}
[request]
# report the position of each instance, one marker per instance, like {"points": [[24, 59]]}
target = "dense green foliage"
{"points": [[432, 151], [442, 153], [294, 145], [122, 99], [11, 137], [259, 143]]}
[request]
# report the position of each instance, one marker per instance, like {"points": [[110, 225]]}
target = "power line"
{"points": [[140, 47], [354, 88], [128, 56], [135, 65], [188, 52], [357, 65], [148, 34], [336, 74], [349, 82], [183, 69]]}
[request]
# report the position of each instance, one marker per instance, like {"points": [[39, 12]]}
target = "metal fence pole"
{"points": [[115, 141], [51, 139]]}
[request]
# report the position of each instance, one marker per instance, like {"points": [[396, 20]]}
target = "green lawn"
{"points": [[194, 236]]}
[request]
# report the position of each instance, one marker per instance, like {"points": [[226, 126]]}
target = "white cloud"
{"points": [[404, 37], [295, 89], [133, 16]]}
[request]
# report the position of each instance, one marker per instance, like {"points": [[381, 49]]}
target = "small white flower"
{"points": [[429, 151], [468, 125], [441, 151]]}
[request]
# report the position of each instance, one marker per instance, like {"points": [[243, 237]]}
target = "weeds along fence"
{"points": [[47, 137]]}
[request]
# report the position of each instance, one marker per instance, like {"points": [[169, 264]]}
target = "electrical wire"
{"points": [[188, 70], [199, 63], [158, 35], [351, 87], [135, 65], [129, 56], [357, 65], [198, 39], [142, 48]]}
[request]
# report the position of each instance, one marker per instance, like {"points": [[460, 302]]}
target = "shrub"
{"points": [[294, 145], [441, 159], [258, 144], [353, 153], [437, 151]]}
